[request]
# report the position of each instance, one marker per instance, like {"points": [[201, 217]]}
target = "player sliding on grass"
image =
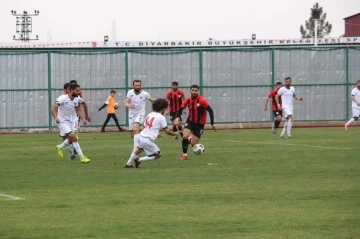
{"points": [[355, 105], [196, 119], [154, 122]]}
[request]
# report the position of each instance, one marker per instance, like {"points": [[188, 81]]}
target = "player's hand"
{"points": [[301, 99], [57, 120], [279, 107], [176, 134], [358, 104], [265, 108], [167, 112], [184, 112], [88, 119], [213, 127], [85, 121], [132, 106]]}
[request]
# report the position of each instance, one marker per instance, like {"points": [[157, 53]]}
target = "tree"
{"points": [[323, 27]]}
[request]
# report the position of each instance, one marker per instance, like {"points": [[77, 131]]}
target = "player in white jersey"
{"points": [[355, 105], [66, 117], [287, 94], [136, 102], [154, 122]]}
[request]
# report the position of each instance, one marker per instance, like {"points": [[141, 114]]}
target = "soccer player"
{"points": [[196, 119], [175, 96], [287, 94], [110, 103], [136, 101], [277, 113], [65, 116], [355, 105], [154, 122]]}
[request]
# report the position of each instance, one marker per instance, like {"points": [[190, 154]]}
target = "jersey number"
{"points": [[149, 122]]}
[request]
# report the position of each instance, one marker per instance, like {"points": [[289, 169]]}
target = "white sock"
{"points": [[285, 127], [64, 144], [78, 149], [136, 140], [352, 120], [131, 159], [289, 125], [70, 148], [146, 158]]}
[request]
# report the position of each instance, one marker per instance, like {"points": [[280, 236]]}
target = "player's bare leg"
{"points": [[136, 135], [185, 143], [283, 133], [276, 123]]}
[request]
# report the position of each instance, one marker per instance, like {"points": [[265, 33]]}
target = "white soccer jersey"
{"points": [[287, 97], [139, 101], [154, 122], [356, 93], [66, 109]]}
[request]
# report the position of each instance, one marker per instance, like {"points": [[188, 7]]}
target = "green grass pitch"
{"points": [[248, 184]]}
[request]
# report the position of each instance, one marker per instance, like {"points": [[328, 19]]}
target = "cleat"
{"points": [[72, 157], [103, 130], [128, 166], [85, 160], [59, 151], [288, 135], [121, 129], [283, 136], [137, 163], [346, 126], [183, 157]]}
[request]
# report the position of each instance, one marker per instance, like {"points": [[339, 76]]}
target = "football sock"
{"points": [[64, 144], [174, 128], [70, 148], [136, 140], [284, 129], [131, 159], [352, 120], [180, 128], [78, 149], [146, 158], [185, 144], [276, 123], [289, 125]]}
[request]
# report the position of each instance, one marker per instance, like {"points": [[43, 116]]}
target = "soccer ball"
{"points": [[116, 105], [199, 149]]}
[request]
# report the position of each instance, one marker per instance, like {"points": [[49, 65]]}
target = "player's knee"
{"points": [[356, 118], [72, 137], [278, 118]]}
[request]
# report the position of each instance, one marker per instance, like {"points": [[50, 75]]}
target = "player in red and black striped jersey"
{"points": [[196, 120], [175, 96], [277, 113]]}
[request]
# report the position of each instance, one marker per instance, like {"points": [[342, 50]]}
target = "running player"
{"points": [[277, 113]]}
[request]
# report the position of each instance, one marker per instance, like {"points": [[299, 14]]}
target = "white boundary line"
{"points": [[11, 197], [270, 143]]}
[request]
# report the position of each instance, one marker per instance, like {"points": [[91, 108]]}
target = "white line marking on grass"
{"points": [[11, 197], [305, 145]]}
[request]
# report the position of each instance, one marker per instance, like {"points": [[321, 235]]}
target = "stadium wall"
{"points": [[234, 80]]}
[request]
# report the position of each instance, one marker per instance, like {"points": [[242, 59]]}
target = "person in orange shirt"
{"points": [[110, 103]]}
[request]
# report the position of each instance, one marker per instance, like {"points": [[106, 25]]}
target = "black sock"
{"points": [[174, 128], [276, 123], [185, 143], [180, 128]]}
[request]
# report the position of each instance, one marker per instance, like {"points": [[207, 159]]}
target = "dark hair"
{"points": [[358, 81], [66, 85], [279, 83], [74, 86], [288, 78], [112, 91], [73, 82], [175, 83], [194, 86], [136, 81], [160, 104]]}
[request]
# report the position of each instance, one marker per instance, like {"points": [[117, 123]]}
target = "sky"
{"points": [[163, 20]]}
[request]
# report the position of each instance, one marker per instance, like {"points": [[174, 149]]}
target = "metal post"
{"points": [[49, 89], [127, 83], [201, 71], [315, 31]]}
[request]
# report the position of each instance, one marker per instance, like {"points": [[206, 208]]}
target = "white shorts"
{"points": [[287, 112], [136, 119], [149, 147], [67, 127], [356, 112]]}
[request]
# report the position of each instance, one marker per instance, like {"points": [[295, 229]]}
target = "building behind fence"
{"points": [[234, 80]]}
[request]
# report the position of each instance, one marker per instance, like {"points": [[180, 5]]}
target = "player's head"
{"points": [[194, 91], [278, 85], [174, 85], [74, 90], [160, 105], [73, 82], [137, 85], [287, 82], [358, 84], [112, 93], [66, 87]]}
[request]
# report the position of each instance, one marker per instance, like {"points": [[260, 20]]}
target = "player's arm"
{"points": [[211, 113], [54, 112], [169, 132], [87, 117], [128, 103], [105, 104], [353, 99], [297, 98], [277, 99], [183, 98], [151, 99], [266, 102]]}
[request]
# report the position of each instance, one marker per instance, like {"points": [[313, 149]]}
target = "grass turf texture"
{"points": [[257, 188]]}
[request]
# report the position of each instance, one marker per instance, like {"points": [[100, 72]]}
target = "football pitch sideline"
{"points": [[247, 184]]}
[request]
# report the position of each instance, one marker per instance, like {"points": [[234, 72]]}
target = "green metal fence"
{"points": [[234, 80]]}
